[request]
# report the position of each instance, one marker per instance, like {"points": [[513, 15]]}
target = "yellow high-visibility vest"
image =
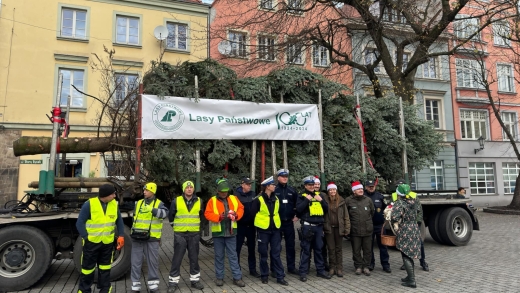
{"points": [[215, 227], [262, 218], [148, 221], [101, 225], [187, 221], [315, 209], [411, 194]]}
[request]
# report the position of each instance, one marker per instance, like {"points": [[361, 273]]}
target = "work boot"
{"points": [[331, 272], [408, 265], [371, 267], [197, 285], [219, 282], [424, 266], [239, 283], [366, 271], [358, 271], [172, 288], [339, 273]]}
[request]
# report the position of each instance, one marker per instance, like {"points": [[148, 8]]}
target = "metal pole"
{"points": [[66, 134], [363, 160], [197, 150], [139, 133], [322, 156], [55, 126], [284, 144], [403, 136], [253, 165], [262, 161]]}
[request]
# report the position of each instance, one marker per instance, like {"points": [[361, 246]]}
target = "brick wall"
{"points": [[9, 166]]}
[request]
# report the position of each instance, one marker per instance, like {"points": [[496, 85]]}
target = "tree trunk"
{"points": [[32, 145], [515, 202]]}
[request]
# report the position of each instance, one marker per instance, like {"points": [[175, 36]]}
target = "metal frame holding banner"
{"points": [[184, 118]]}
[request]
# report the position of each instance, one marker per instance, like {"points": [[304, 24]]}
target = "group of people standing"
{"points": [[266, 218]]}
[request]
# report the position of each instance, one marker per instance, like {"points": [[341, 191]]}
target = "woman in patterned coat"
{"points": [[408, 237]]}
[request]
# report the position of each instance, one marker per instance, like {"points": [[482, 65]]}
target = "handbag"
{"points": [[141, 234]]}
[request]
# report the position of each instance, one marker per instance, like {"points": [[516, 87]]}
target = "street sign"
{"points": [[31, 161]]}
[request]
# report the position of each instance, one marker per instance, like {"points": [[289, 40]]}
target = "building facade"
{"points": [[42, 40]]}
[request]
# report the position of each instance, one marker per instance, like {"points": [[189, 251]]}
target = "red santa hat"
{"points": [[317, 179], [356, 185], [331, 185]]}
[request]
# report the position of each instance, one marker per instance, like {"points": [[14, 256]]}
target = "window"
{"points": [[393, 15], [505, 78], [430, 68], [482, 178], [295, 6], [469, 73], [413, 183], [295, 53], [370, 58], [406, 57], [510, 172], [501, 33], [73, 23], [177, 36], [433, 112], [72, 77], [267, 4], [266, 48], [473, 124], [320, 55], [466, 26], [126, 88], [437, 175], [510, 121], [238, 43], [127, 30]]}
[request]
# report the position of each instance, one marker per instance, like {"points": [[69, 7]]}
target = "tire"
{"points": [[433, 226], [455, 226], [122, 259], [25, 256]]}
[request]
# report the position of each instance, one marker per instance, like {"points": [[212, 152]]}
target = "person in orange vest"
{"points": [[223, 211], [96, 224]]}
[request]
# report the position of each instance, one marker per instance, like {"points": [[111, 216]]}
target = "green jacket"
{"points": [[360, 211]]}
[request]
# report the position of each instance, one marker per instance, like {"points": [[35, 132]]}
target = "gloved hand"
{"points": [[120, 242], [396, 226], [146, 208], [221, 217]]}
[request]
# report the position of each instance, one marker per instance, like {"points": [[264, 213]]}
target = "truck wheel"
{"points": [[422, 230], [455, 226], [25, 256], [433, 227], [121, 263]]}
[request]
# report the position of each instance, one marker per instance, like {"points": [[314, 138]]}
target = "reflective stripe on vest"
{"points": [[262, 218], [147, 221], [410, 195], [215, 227], [315, 208], [187, 221], [101, 225]]}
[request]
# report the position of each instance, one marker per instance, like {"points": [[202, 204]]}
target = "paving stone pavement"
{"points": [[489, 263]]}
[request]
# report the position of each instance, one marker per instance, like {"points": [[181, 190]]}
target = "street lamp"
{"points": [[481, 143]]}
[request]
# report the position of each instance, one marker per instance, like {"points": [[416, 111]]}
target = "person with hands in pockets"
{"points": [[223, 211], [148, 217]]}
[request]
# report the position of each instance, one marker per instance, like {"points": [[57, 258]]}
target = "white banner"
{"points": [[183, 118]]}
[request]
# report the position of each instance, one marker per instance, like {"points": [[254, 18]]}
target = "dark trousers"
{"points": [[316, 242], [361, 243], [247, 231], [287, 231], [272, 241], [100, 254], [183, 242], [423, 257], [383, 251], [335, 247]]}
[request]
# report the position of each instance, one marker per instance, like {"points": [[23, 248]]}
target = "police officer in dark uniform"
{"points": [[246, 227], [378, 220], [287, 196], [312, 208]]}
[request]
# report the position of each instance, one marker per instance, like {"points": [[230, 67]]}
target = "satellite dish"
{"points": [[160, 33], [224, 47]]}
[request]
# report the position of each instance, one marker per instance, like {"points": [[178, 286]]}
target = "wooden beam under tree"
{"points": [[32, 145]]}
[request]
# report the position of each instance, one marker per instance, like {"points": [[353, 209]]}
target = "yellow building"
{"points": [[41, 39]]}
